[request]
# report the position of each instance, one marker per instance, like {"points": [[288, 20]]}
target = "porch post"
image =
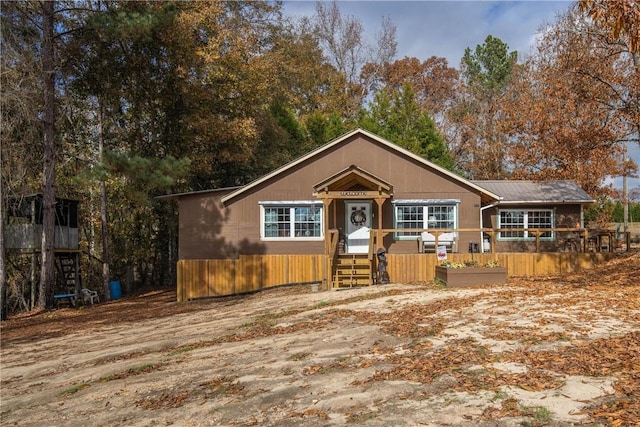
{"points": [[379, 235], [327, 204], [335, 212], [380, 202], [327, 244]]}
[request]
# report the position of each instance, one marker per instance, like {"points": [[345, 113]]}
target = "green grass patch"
{"points": [[541, 415], [537, 415], [136, 370], [500, 395], [278, 315], [361, 417], [182, 349], [147, 367], [75, 388], [299, 356], [223, 386], [270, 319], [439, 283]]}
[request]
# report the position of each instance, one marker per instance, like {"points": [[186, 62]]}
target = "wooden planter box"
{"points": [[471, 276]]}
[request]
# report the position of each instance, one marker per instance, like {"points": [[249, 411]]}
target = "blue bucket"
{"points": [[114, 289]]}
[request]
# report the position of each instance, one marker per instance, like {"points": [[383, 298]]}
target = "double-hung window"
{"points": [[300, 220], [520, 221], [424, 214]]}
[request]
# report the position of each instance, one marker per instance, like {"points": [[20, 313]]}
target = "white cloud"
{"points": [[446, 28]]}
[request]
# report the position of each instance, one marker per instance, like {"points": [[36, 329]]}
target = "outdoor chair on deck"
{"points": [[427, 242], [88, 296], [572, 243]]}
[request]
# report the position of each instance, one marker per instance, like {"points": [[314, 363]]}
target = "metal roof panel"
{"points": [[528, 191]]}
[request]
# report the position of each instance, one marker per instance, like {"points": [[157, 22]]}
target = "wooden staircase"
{"points": [[68, 278], [351, 270]]}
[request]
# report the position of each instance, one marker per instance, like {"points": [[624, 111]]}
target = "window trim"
{"points": [[291, 205], [425, 204], [526, 237]]}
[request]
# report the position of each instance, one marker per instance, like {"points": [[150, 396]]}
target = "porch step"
{"points": [[352, 270], [353, 259]]}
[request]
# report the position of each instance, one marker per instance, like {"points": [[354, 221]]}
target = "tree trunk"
{"points": [[103, 212], [3, 275], [47, 267]]}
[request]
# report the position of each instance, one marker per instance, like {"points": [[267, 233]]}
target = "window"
{"points": [[284, 220], [512, 219], [529, 219], [409, 217], [277, 222], [423, 214]]}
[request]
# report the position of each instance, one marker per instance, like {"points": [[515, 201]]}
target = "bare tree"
{"points": [[381, 54], [342, 40]]}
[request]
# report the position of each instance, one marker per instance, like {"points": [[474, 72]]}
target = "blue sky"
{"points": [[445, 28]]}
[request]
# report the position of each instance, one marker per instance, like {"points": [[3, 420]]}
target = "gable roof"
{"points": [[453, 176], [540, 192], [351, 176]]}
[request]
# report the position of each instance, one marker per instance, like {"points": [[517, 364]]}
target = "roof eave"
{"points": [[286, 166], [189, 193], [375, 137], [545, 202]]}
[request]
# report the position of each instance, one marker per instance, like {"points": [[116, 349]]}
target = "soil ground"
{"points": [[559, 351]]}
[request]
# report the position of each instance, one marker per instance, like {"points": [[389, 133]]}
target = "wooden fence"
{"points": [[420, 268], [249, 273]]}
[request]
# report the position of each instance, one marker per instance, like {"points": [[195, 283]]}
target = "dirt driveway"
{"points": [[554, 351]]}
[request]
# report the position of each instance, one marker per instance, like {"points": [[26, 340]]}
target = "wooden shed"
{"points": [[23, 236]]}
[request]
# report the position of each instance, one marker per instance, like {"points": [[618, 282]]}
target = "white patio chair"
{"points": [[89, 296]]}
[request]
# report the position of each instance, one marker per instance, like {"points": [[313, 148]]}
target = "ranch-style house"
{"points": [[352, 198]]}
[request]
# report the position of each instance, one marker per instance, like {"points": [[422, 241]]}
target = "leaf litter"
{"points": [[506, 355]]}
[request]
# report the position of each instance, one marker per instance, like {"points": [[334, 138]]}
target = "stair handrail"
{"points": [[372, 258], [334, 239]]}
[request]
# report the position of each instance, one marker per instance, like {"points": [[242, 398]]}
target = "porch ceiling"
{"points": [[353, 178]]}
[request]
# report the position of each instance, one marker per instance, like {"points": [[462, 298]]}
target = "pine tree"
{"points": [[397, 117]]}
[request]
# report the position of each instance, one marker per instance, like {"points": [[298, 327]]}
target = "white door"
{"points": [[358, 221]]}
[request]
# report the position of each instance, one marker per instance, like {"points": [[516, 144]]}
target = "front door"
{"points": [[358, 224]]}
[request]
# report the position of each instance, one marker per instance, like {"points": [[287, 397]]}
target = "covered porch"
{"points": [[353, 202]]}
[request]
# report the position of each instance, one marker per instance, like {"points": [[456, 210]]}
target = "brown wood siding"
{"points": [[248, 273], [206, 231], [567, 216], [241, 223]]}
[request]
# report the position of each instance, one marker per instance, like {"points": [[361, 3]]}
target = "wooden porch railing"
{"points": [[249, 273], [585, 236]]}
